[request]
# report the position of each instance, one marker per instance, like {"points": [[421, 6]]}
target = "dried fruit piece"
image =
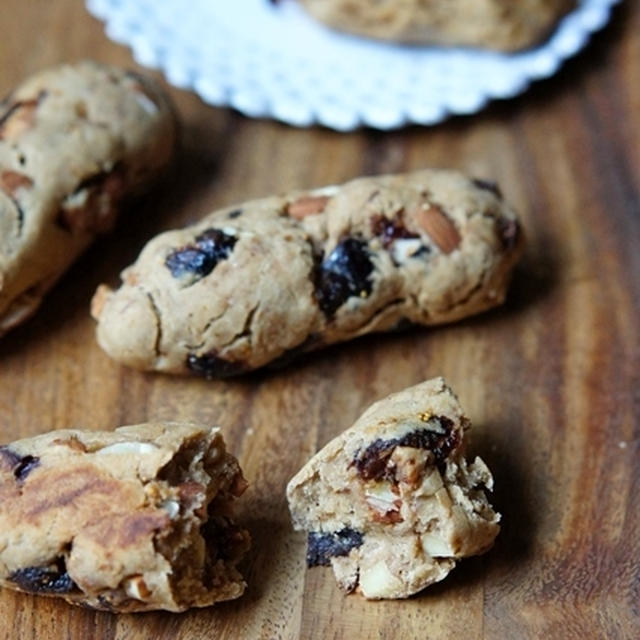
{"points": [[488, 185], [344, 273], [197, 261], [21, 466], [510, 233], [439, 228], [324, 546], [46, 580], [389, 230], [436, 435], [211, 366]]}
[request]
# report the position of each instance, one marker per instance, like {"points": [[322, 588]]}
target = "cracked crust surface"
{"points": [[74, 141], [392, 503], [131, 520], [264, 280], [494, 24]]}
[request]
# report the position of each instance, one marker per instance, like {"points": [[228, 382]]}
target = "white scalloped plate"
{"points": [[275, 62]]}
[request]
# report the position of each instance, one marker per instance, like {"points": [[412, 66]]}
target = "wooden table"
{"points": [[551, 381]]}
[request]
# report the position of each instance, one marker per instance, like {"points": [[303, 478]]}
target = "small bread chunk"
{"points": [[271, 279], [131, 520], [75, 141], [392, 503]]}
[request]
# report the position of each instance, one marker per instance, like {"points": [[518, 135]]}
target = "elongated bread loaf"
{"points": [[74, 141], [270, 278]]}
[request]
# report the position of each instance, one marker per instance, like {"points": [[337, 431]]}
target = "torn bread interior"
{"points": [[131, 520], [391, 504]]}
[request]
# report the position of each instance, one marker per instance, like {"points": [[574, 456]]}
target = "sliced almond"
{"points": [[307, 206], [377, 581], [435, 546], [102, 294], [18, 119], [439, 227], [12, 181], [384, 503], [136, 587], [410, 464]]}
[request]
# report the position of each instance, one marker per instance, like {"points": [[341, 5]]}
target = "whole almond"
{"points": [[307, 206], [439, 227]]}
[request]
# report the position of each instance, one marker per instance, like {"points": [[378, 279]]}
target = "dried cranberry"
{"points": [[210, 366], [343, 274], [371, 463], [324, 546], [200, 260]]}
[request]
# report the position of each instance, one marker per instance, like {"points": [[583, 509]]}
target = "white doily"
{"points": [[275, 61]]}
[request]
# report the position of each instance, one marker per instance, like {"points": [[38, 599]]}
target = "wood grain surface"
{"points": [[550, 381]]}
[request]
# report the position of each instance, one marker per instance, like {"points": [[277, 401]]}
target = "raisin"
{"points": [[21, 466], [488, 185], [44, 580], [211, 366], [324, 546], [343, 274], [25, 467], [200, 259], [390, 230], [371, 464]]}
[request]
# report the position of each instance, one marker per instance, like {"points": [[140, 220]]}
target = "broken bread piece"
{"points": [[392, 503], [131, 520]]}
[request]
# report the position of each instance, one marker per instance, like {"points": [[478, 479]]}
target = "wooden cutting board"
{"points": [[551, 381]]}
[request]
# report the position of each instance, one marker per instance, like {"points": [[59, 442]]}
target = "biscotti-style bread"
{"points": [[391, 503], [255, 282], [74, 141], [494, 24], [131, 520]]}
